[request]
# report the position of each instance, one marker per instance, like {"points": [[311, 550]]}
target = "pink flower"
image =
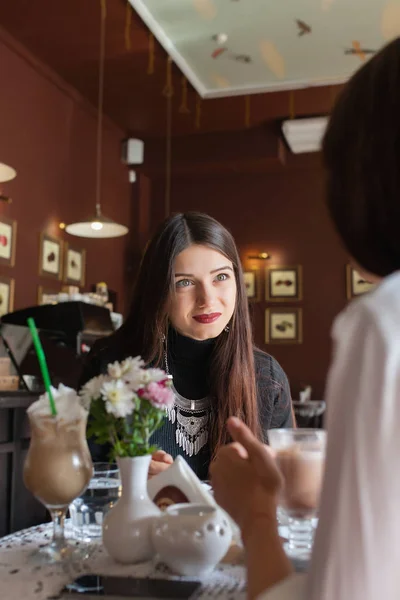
{"points": [[158, 395]]}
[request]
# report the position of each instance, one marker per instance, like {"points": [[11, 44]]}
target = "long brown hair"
{"points": [[232, 376]]}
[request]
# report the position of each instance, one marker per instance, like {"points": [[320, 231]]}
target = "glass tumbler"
{"points": [[300, 455], [87, 512]]}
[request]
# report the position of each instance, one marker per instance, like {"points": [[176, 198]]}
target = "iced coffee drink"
{"points": [[302, 472], [58, 466], [300, 456]]}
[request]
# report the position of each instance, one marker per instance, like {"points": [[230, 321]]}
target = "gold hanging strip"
{"points": [[291, 105], [99, 143], [247, 111], [168, 90], [184, 109], [128, 23], [150, 65], [197, 121], [332, 94], [168, 149]]}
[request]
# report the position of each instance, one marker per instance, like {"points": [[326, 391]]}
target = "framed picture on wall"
{"points": [[356, 285], [75, 265], [283, 284], [252, 284], [6, 295], [283, 326], [8, 240], [46, 295], [50, 256]]}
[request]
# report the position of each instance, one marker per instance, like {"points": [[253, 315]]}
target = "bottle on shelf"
{"points": [[102, 292]]}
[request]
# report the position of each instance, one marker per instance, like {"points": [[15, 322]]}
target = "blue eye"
{"points": [[183, 283], [222, 277]]}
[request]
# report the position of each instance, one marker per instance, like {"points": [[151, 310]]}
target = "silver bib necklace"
{"points": [[192, 419]]}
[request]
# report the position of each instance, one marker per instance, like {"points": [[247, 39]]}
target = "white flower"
{"points": [[129, 366], [114, 370], [118, 398], [91, 390], [156, 375], [132, 364]]}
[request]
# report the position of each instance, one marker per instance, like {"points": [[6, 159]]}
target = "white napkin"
{"points": [[181, 476]]}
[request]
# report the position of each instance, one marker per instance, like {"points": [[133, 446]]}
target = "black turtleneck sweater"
{"points": [[188, 363]]}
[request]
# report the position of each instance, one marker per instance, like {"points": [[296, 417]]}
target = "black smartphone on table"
{"points": [[94, 587]]}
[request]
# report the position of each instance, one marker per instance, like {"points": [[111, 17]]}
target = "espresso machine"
{"points": [[67, 331]]}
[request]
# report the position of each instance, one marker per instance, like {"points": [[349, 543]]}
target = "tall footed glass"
{"points": [[57, 469], [300, 455]]}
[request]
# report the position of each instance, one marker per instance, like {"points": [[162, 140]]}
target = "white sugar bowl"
{"points": [[191, 539]]}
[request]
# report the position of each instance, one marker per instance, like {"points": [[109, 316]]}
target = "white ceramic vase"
{"points": [[127, 526]]}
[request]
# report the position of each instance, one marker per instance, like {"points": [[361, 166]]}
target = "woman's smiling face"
{"points": [[204, 296]]}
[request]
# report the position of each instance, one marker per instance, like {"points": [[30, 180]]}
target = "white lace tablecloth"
{"points": [[21, 580]]}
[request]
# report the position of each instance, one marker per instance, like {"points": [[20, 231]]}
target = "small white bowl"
{"points": [[191, 539]]}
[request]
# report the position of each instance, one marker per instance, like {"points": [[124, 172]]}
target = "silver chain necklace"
{"points": [[192, 419]]}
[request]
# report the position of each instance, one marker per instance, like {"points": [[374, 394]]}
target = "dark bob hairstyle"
{"points": [[362, 156]]}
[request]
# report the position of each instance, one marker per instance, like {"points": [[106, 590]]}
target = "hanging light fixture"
{"points": [[97, 225], [6, 173]]}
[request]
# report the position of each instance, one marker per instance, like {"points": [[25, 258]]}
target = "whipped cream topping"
{"points": [[68, 404]]}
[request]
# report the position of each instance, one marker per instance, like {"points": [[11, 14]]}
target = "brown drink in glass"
{"points": [[300, 455], [58, 466]]}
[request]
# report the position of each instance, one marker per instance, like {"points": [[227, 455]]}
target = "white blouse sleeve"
{"points": [[356, 553]]}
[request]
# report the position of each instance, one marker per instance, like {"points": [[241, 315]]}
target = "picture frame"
{"points": [[356, 285], [8, 241], [284, 325], [252, 284], [284, 284], [75, 265], [7, 287], [45, 291], [50, 257]]}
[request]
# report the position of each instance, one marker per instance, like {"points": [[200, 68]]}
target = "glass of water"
{"points": [[87, 512]]}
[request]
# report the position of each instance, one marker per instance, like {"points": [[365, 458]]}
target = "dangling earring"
{"points": [[227, 329]]}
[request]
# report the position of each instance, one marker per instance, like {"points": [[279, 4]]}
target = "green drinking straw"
{"points": [[42, 362]]}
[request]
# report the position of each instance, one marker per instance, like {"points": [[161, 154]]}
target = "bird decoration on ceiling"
{"points": [[217, 52], [303, 28], [222, 49], [244, 58], [358, 50]]}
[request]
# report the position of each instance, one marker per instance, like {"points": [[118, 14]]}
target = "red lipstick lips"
{"points": [[207, 319]]}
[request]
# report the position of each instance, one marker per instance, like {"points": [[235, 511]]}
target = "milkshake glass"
{"points": [[300, 455], [58, 466]]}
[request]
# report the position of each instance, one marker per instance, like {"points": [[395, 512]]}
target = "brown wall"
{"points": [[48, 133], [282, 213]]}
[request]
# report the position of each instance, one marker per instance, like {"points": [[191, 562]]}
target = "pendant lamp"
{"points": [[6, 173], [97, 225]]}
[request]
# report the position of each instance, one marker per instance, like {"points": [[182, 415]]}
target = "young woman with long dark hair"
{"points": [[190, 316]]}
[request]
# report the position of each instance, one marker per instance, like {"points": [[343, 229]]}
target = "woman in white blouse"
{"points": [[356, 555]]}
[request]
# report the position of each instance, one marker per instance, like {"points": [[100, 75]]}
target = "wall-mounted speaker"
{"points": [[132, 151]]}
